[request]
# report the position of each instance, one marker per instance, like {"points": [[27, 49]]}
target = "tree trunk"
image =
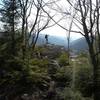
{"points": [[96, 73], [23, 35], [96, 82], [13, 28], [96, 79]]}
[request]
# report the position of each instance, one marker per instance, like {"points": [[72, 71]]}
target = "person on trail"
{"points": [[46, 38]]}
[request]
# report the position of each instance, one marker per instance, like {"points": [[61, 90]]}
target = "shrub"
{"points": [[63, 59], [69, 94], [84, 77], [63, 76], [39, 62]]}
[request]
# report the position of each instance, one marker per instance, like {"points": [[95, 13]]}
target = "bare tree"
{"points": [[39, 21], [88, 19], [87, 22], [66, 15]]}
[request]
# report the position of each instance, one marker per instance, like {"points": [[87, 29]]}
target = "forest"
{"points": [[29, 71]]}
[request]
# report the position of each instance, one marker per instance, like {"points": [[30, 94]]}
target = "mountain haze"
{"points": [[52, 40], [78, 44]]}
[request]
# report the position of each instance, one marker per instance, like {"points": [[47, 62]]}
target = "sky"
{"points": [[56, 30]]}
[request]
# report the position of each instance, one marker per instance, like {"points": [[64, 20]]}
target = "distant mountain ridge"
{"points": [[78, 44], [52, 40]]}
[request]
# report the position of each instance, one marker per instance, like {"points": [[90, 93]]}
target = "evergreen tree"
{"points": [[9, 17]]}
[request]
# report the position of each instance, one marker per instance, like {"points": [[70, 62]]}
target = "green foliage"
{"points": [[7, 12], [69, 94], [63, 59], [63, 76], [52, 70], [39, 62], [22, 77], [83, 54], [40, 49], [84, 77]]}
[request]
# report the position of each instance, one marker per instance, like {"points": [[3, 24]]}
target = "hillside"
{"points": [[51, 51], [79, 44], [52, 40]]}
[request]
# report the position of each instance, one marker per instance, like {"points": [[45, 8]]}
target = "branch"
{"points": [[58, 23], [37, 15]]}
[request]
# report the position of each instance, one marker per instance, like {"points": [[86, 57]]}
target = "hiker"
{"points": [[46, 37]]}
